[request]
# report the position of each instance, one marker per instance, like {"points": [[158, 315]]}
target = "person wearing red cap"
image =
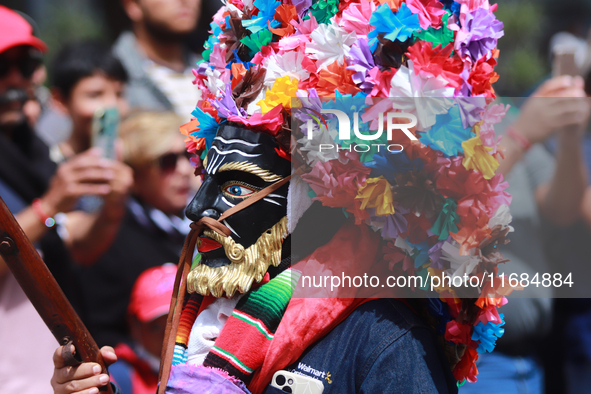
{"points": [[36, 190], [19, 49], [136, 371]]}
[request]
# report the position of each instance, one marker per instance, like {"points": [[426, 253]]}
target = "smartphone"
{"points": [[564, 64], [297, 384], [105, 130]]}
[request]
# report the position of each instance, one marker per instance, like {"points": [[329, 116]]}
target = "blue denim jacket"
{"points": [[382, 347]]}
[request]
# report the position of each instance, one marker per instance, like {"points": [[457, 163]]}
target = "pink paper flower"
{"points": [[356, 17], [430, 12]]}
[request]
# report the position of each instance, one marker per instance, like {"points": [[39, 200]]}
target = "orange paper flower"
{"points": [[336, 77], [285, 13]]}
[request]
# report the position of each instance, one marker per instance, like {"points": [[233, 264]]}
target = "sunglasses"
{"points": [[168, 162], [25, 65]]}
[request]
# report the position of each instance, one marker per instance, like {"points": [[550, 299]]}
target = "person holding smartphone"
{"points": [[87, 78]]}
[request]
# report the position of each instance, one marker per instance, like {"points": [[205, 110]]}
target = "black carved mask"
{"points": [[239, 163]]}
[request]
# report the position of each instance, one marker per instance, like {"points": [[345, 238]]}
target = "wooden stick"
{"points": [[44, 293]]}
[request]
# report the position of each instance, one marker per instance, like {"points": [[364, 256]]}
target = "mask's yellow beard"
{"points": [[247, 265]]}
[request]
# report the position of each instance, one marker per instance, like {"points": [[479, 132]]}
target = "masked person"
{"points": [[436, 206]]}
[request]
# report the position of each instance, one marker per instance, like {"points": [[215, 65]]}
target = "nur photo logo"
{"points": [[317, 123]]}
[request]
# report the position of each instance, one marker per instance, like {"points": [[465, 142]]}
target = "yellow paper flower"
{"points": [[376, 193], [476, 157], [283, 90]]}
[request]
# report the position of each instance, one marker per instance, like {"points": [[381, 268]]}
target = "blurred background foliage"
{"points": [[523, 61]]}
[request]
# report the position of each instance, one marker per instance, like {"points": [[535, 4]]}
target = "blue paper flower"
{"points": [[420, 252], [208, 126], [266, 13], [452, 6], [487, 334], [399, 26], [216, 29], [349, 104], [237, 59], [448, 133], [390, 164]]}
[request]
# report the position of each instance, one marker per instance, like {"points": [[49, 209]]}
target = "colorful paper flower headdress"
{"points": [[437, 201]]}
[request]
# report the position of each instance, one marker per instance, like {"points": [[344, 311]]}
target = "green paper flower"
{"points": [[447, 219], [438, 36], [323, 10], [424, 273], [257, 40], [208, 46]]}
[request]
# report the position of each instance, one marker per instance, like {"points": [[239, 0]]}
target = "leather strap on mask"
{"points": [[180, 283]]}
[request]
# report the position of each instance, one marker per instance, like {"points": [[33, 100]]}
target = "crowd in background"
{"points": [[97, 221], [98, 250]]}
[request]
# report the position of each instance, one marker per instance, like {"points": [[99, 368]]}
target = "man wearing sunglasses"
{"points": [[20, 55], [153, 229]]}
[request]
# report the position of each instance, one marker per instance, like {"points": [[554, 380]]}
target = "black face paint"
{"points": [[240, 163]]}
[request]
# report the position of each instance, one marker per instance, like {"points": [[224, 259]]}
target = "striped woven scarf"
{"points": [[243, 342]]}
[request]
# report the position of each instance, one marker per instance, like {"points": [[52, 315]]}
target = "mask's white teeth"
{"points": [[231, 229]]}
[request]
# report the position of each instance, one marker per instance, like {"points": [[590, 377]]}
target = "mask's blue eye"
{"points": [[235, 190], [238, 190]]}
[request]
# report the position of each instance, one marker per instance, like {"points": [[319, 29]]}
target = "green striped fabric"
{"points": [[243, 342]]}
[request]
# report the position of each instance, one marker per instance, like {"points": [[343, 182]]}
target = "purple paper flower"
{"points": [[301, 6], [471, 109], [394, 224], [187, 378], [361, 61], [201, 68], [466, 89], [478, 35], [435, 255], [310, 102], [227, 106]]}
